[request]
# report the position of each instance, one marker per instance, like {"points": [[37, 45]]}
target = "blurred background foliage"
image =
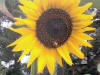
{"points": [[89, 66], [96, 3]]}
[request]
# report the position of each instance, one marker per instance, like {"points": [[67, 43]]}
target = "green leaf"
{"points": [[96, 3]]}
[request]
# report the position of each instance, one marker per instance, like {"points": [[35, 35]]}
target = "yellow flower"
{"points": [[55, 28]]}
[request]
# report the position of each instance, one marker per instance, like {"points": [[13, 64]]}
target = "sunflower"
{"points": [[54, 29]]}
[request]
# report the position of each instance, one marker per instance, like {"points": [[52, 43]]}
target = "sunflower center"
{"points": [[54, 27]]}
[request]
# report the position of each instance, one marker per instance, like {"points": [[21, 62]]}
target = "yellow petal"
{"points": [[23, 54], [43, 4], [27, 42], [22, 31], [83, 41], [59, 60], [41, 63], [74, 48], [67, 5], [75, 4], [17, 48], [32, 7], [51, 64], [29, 4], [27, 22], [56, 55], [84, 36], [48, 56], [55, 3], [65, 55], [82, 24], [88, 29], [34, 54], [15, 42], [84, 29], [30, 13], [80, 10], [83, 17], [52, 4]]}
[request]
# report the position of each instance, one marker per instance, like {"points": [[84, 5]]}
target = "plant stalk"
{"points": [[55, 72], [34, 68]]}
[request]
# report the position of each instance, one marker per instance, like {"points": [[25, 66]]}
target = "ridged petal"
{"points": [[22, 31], [41, 63], [73, 47], [15, 42], [75, 4], [34, 54], [84, 36], [51, 64], [65, 55], [30, 13], [76, 30], [23, 54], [27, 22], [29, 4], [82, 24], [83, 17], [83, 40], [67, 5], [80, 10]]}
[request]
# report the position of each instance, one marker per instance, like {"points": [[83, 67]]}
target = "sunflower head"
{"points": [[55, 28]]}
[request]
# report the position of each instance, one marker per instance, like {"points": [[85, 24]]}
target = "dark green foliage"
{"points": [[12, 6]]}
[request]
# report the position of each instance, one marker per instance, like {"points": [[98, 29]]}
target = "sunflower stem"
{"points": [[55, 72], [34, 68]]}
